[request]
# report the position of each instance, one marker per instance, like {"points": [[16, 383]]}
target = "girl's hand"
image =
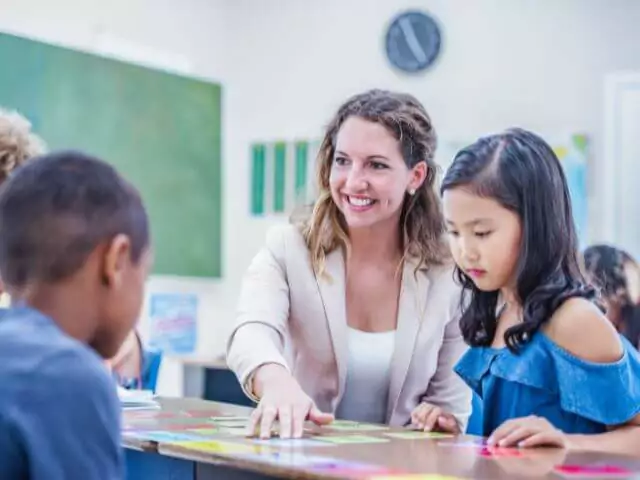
{"points": [[430, 418], [525, 432]]}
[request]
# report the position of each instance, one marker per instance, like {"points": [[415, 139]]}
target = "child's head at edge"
{"points": [[617, 275], [75, 244], [511, 232], [17, 142], [17, 145]]}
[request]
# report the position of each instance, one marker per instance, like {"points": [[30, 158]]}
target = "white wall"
{"points": [[622, 154], [538, 64], [286, 65], [155, 32]]}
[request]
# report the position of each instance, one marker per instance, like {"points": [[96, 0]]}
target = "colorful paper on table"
{"points": [[415, 435], [183, 426], [296, 458], [487, 451], [140, 421], [346, 425], [201, 413], [211, 430], [468, 443], [352, 439], [217, 447], [233, 432], [291, 442], [146, 427], [162, 437], [593, 471], [230, 419], [230, 422], [139, 427], [290, 458], [191, 421], [141, 414], [415, 476], [344, 469], [147, 414], [165, 415], [208, 431]]}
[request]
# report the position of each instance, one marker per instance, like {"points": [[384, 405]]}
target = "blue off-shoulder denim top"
{"points": [[543, 379]]}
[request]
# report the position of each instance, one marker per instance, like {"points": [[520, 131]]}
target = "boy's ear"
{"points": [[116, 256]]}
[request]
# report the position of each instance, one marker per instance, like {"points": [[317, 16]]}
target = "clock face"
{"points": [[413, 41]]}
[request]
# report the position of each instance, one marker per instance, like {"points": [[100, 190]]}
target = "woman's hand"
{"points": [[430, 418], [284, 401]]}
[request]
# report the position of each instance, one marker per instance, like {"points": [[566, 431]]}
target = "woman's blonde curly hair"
{"points": [[421, 221], [17, 142]]}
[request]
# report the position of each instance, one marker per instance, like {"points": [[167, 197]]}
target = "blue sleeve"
{"points": [[606, 393], [70, 421]]}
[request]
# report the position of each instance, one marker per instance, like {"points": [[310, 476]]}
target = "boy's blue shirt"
{"points": [[59, 410]]}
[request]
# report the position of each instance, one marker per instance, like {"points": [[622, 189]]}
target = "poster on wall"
{"points": [[173, 322], [282, 176], [572, 150], [573, 153]]}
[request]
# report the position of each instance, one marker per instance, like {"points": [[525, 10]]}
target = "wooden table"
{"points": [[222, 452]]}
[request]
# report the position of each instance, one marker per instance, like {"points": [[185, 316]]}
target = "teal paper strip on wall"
{"points": [[302, 153], [258, 169], [279, 157]]}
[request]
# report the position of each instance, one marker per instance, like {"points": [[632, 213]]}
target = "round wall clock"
{"points": [[413, 41]]}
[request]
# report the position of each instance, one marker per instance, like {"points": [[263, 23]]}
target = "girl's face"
{"points": [[484, 238]]}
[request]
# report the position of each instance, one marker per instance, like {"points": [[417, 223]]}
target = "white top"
{"points": [[368, 376]]}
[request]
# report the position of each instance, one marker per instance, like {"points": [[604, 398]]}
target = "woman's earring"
{"points": [[412, 191]]}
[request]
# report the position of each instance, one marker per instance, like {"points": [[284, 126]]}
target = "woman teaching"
{"points": [[353, 312]]}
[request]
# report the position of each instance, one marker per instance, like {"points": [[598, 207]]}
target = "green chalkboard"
{"points": [[161, 130]]}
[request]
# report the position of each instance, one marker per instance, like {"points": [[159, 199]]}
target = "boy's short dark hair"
{"points": [[57, 208]]}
